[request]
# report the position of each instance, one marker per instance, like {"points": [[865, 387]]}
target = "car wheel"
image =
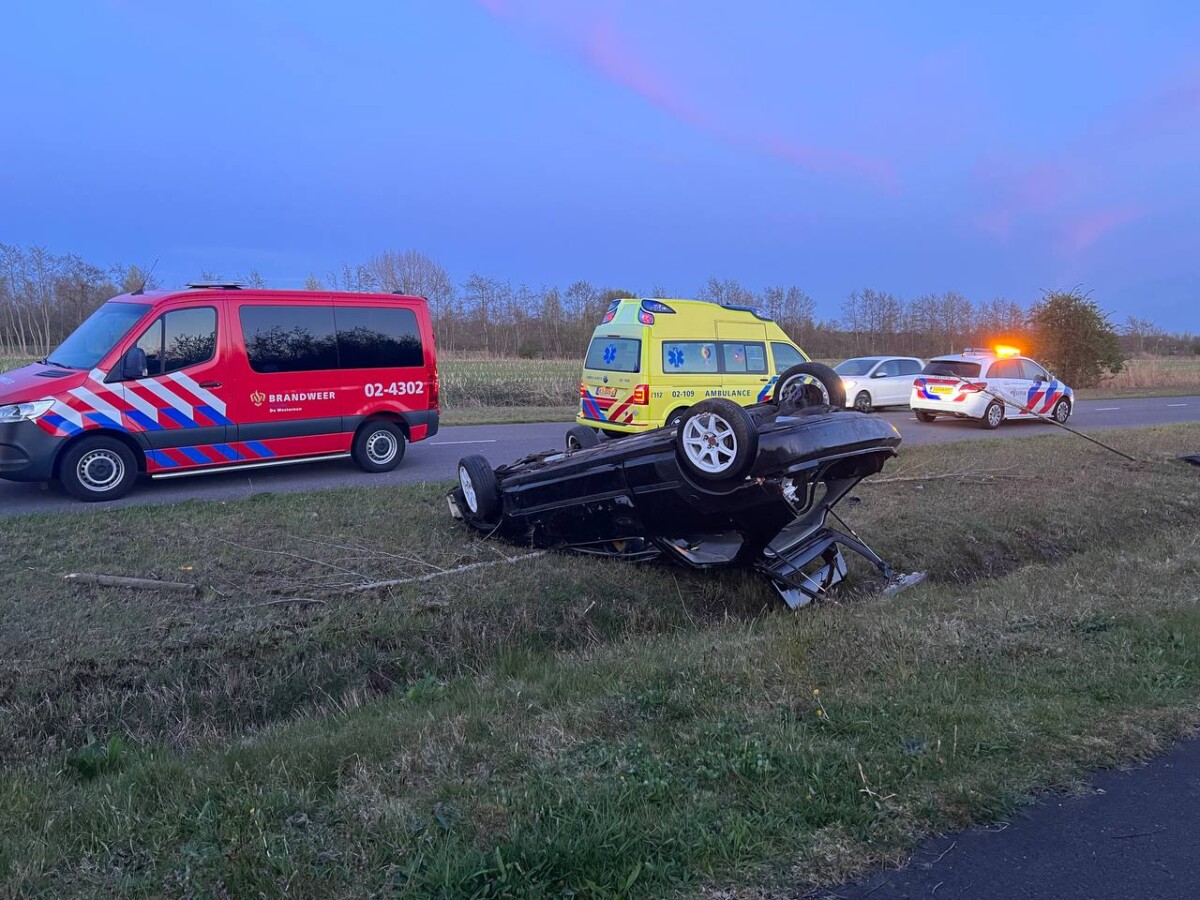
{"points": [[580, 437], [479, 487], [862, 402], [98, 469], [378, 446], [1062, 411], [992, 416], [809, 384], [675, 418], [716, 441], [923, 416]]}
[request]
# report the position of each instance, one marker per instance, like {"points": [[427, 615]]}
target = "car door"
{"points": [[1041, 391], [885, 383], [743, 360], [1005, 378], [179, 404]]}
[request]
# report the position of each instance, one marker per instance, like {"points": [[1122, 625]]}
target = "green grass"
{"points": [[508, 415], [575, 724]]}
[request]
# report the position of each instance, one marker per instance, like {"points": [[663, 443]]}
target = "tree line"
{"points": [[43, 296]]}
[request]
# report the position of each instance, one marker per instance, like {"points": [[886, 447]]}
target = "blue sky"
{"points": [[905, 147]]}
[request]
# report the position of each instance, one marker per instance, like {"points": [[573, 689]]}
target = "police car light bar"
{"points": [[1003, 350]]}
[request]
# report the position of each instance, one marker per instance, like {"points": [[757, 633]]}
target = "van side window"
{"points": [[289, 338], [744, 357], [690, 357], [377, 337], [785, 356], [179, 339]]}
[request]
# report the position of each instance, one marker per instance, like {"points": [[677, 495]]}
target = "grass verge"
{"points": [[570, 724], [508, 415]]}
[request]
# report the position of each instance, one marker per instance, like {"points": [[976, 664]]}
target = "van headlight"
{"points": [[19, 412]]}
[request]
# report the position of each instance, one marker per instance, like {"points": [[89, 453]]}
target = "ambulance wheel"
{"points": [[716, 441], [98, 469], [809, 384], [862, 402], [479, 488], [1062, 411], [378, 446], [992, 416], [580, 437], [923, 416], [675, 418]]}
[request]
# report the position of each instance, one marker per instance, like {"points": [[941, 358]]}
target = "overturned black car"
{"points": [[728, 486]]}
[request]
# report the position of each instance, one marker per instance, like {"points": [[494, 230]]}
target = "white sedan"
{"points": [[872, 381]]}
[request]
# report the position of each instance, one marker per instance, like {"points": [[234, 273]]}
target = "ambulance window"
{"points": [[614, 354], [378, 337], [690, 357], [785, 356], [190, 337], [744, 357], [289, 338]]}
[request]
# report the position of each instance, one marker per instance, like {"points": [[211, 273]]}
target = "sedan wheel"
{"points": [[710, 443], [716, 441], [1062, 411], [862, 402]]}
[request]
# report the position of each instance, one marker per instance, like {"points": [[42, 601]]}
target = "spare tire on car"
{"points": [[809, 384], [716, 441]]}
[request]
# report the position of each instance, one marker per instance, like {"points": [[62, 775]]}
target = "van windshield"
{"points": [[614, 354], [91, 341]]}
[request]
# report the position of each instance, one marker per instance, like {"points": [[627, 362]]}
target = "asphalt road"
{"points": [[435, 459]]}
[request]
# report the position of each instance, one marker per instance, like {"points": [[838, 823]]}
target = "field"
{"points": [[574, 727]]}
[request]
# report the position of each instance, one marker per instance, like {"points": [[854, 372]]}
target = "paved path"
{"points": [[435, 459], [1137, 835]]}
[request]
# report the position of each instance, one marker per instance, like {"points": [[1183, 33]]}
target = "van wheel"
{"points": [[378, 446], [862, 402], [479, 488], [98, 469], [717, 441], [923, 416], [992, 416], [809, 384], [580, 437]]}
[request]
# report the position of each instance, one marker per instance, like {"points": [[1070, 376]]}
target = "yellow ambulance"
{"points": [[649, 360]]}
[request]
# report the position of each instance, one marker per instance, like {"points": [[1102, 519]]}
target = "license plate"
{"points": [[606, 392], [941, 389]]}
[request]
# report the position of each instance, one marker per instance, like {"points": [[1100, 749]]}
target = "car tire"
{"points": [[923, 416], [992, 416], [1062, 411], [97, 469], [717, 441], [378, 446], [479, 488], [676, 418], [862, 402], [580, 437], [828, 389]]}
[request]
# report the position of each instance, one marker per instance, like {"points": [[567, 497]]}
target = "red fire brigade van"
{"points": [[216, 377]]}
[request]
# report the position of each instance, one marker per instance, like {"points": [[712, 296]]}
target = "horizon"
{"points": [[622, 144]]}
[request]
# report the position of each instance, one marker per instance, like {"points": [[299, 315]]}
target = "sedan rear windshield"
{"points": [[614, 354], [959, 367]]}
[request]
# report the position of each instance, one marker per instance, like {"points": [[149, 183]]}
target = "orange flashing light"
{"points": [[1002, 350]]}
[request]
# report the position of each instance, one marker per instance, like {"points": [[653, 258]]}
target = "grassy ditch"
{"points": [[567, 724]]}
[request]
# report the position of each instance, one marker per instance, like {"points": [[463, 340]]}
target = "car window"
{"points": [[690, 357], [856, 367], [1005, 368], [613, 354], [189, 337], [151, 343], [785, 356], [951, 367], [377, 337], [744, 357], [889, 368], [1033, 371], [289, 338], [910, 367]]}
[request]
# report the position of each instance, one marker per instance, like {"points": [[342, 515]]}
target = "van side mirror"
{"points": [[132, 365]]}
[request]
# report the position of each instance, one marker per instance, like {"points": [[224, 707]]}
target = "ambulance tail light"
{"points": [[583, 389], [641, 395]]}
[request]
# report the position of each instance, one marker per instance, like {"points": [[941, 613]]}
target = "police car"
{"points": [[970, 385]]}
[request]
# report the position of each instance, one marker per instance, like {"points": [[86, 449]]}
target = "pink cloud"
{"points": [[1081, 233]]}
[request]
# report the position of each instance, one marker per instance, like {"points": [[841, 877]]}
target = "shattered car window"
{"points": [[613, 354], [690, 357]]}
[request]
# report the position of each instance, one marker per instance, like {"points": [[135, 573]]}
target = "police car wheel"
{"points": [[378, 446], [98, 469], [992, 416], [716, 441], [580, 437], [809, 384], [1062, 411], [479, 488], [862, 402], [923, 416]]}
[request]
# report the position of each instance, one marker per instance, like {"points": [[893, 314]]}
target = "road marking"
{"points": [[1176, 404], [1106, 408], [448, 443]]}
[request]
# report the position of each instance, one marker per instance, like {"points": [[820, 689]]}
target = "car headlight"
{"points": [[19, 412], [849, 382]]}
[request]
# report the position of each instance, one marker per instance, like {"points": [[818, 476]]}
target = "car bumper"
{"points": [[27, 453], [972, 405]]}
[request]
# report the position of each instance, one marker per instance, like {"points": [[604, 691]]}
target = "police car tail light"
{"points": [[646, 318], [974, 387], [641, 395]]}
